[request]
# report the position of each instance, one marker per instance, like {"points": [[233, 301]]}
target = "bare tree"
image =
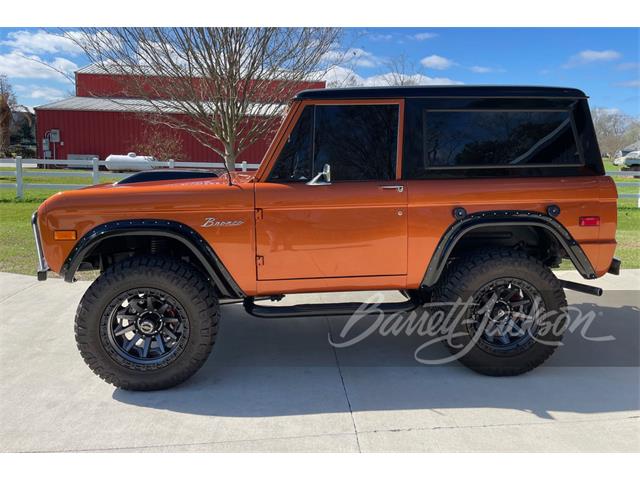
{"points": [[402, 72], [614, 130], [226, 86], [632, 134], [339, 76], [161, 143], [7, 104]]}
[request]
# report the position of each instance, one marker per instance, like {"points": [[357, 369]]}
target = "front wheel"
{"points": [[147, 323], [515, 313]]}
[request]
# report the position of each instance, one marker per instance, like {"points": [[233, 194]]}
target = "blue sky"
{"points": [[604, 62]]}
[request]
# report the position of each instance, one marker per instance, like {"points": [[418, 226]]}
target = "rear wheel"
{"points": [[147, 323], [516, 313]]}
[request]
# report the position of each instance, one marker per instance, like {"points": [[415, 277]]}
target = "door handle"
{"points": [[397, 188]]}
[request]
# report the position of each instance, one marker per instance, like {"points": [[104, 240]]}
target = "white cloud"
{"points": [[629, 84], [482, 69], [629, 66], [607, 111], [41, 93], [380, 37], [479, 69], [41, 41], [17, 65], [338, 76], [424, 36], [352, 56], [345, 77], [594, 55], [386, 79], [437, 62], [46, 93], [590, 56]]}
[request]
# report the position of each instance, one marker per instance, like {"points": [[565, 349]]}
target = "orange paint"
{"points": [[343, 236]]}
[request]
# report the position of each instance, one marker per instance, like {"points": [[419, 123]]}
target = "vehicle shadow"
{"points": [[274, 367]]}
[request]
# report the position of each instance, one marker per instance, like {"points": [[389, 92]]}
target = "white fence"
{"points": [[627, 184], [95, 173], [29, 168]]}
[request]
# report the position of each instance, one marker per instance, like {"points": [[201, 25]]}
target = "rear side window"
{"points": [[478, 137], [498, 139], [359, 142]]}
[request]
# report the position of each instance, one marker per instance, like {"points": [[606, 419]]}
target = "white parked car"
{"points": [[618, 161], [129, 162], [631, 160]]}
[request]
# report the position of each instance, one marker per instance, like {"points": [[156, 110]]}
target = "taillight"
{"points": [[590, 221]]}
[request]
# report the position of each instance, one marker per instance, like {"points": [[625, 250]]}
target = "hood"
{"points": [[181, 192], [181, 174], [170, 174]]}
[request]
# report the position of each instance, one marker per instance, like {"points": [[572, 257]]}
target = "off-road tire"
{"points": [[469, 274], [180, 280]]}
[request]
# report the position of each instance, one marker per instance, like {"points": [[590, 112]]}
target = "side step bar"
{"points": [[580, 287], [338, 309], [323, 309]]}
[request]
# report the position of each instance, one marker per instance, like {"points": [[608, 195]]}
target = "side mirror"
{"points": [[322, 178]]}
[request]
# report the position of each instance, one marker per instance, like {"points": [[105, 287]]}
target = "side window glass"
{"points": [[359, 142], [498, 138], [294, 164], [472, 138]]}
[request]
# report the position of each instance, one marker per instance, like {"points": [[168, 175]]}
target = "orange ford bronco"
{"points": [[438, 192]]}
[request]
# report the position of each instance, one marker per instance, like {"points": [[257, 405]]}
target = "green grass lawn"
{"points": [[17, 249], [17, 252], [5, 178], [628, 233]]}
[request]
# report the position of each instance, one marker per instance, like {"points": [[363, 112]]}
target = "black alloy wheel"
{"points": [[506, 311], [148, 326], [147, 323]]}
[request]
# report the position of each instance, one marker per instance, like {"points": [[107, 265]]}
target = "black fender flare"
{"points": [[215, 269], [460, 228]]}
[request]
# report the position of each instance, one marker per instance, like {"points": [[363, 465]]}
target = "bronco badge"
{"points": [[212, 222]]}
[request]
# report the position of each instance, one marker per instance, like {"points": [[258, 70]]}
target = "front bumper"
{"points": [[43, 268]]}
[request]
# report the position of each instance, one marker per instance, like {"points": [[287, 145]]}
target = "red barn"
{"points": [[103, 119]]}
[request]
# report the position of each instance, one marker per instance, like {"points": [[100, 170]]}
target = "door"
{"points": [[354, 225]]}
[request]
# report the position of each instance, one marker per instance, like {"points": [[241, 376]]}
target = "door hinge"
{"points": [[259, 260], [258, 214]]}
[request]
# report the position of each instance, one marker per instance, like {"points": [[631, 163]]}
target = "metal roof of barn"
{"points": [[95, 68], [486, 91], [137, 105], [115, 69], [103, 105]]}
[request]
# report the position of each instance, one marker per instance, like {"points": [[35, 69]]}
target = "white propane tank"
{"points": [[129, 162]]}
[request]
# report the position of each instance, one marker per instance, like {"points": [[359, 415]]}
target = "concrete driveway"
{"points": [[278, 385]]}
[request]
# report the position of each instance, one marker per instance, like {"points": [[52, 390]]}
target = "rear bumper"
{"points": [[43, 268], [614, 268]]}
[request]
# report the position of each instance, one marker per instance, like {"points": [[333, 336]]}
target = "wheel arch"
{"points": [[509, 219], [198, 249]]}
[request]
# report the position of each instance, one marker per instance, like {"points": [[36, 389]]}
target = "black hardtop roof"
{"points": [[488, 91]]}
